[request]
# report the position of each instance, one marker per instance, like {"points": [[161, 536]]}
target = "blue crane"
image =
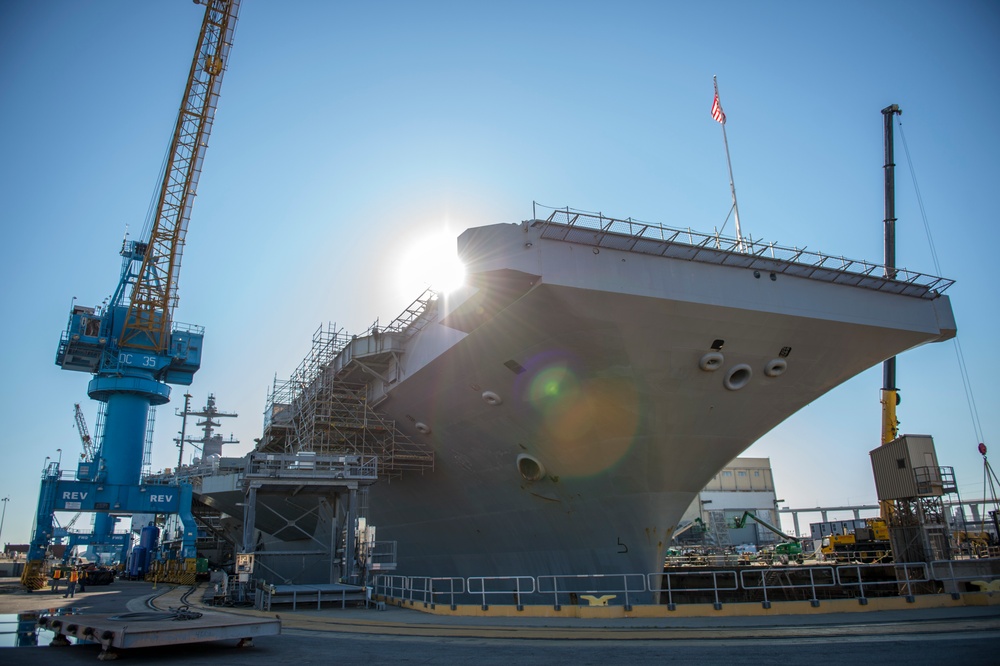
{"points": [[132, 346]]}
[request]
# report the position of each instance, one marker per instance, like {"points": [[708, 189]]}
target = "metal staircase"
{"points": [[720, 528]]}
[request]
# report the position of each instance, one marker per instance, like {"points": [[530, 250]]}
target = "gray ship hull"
{"points": [[589, 380], [590, 362]]}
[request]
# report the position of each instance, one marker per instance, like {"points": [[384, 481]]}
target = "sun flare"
{"points": [[432, 261]]}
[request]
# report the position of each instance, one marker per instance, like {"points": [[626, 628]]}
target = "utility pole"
{"points": [[3, 515], [183, 415]]}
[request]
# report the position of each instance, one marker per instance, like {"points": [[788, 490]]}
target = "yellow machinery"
{"points": [[868, 544], [890, 394], [976, 544]]}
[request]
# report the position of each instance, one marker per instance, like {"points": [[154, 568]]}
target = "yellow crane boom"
{"points": [[154, 294]]}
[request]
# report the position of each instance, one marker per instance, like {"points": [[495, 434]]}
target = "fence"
{"points": [[491, 586], [591, 586], [690, 586], [692, 576], [827, 578], [427, 590]]}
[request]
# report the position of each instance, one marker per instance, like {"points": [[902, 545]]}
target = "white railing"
{"points": [[849, 581], [938, 567], [900, 574], [827, 578], [484, 586], [430, 590], [596, 229], [592, 585], [306, 464], [392, 586], [690, 576]]}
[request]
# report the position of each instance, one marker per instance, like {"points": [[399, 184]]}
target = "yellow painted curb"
{"points": [[747, 609]]}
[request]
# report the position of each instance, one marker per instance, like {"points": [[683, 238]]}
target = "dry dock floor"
{"points": [[970, 634]]}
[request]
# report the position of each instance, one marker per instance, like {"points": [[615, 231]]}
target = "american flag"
{"points": [[717, 110]]}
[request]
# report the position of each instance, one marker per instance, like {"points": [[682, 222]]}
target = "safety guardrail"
{"points": [[602, 584], [882, 575], [428, 590], [392, 586], [827, 578], [817, 581], [669, 577], [519, 586], [631, 235], [937, 570], [304, 464], [976, 574]]}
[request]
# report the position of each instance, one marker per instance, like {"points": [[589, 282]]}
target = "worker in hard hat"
{"points": [[74, 577]]}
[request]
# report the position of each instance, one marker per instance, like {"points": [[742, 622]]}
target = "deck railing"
{"points": [[598, 230]]}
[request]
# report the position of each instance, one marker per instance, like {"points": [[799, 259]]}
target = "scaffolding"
{"points": [[327, 406], [720, 529], [918, 526]]}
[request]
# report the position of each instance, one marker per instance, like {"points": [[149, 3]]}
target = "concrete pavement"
{"points": [[403, 635]]}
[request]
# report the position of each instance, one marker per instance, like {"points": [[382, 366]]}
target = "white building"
{"points": [[745, 484]]}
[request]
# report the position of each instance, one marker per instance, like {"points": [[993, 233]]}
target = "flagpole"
{"points": [[732, 187]]}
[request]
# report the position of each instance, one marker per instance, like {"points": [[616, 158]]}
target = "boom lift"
{"points": [[133, 346], [790, 547]]}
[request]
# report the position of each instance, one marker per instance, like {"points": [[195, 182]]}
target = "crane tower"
{"points": [[132, 346]]}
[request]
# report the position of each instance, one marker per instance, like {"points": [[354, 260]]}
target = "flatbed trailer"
{"points": [[155, 628]]}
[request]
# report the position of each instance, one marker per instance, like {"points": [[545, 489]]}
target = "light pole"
{"points": [[180, 442], [59, 451], [2, 516]]}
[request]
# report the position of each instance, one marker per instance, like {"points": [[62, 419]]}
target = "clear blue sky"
{"points": [[347, 131]]}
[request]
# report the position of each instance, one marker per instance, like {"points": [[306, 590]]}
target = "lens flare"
{"points": [[550, 384], [430, 260], [587, 424]]}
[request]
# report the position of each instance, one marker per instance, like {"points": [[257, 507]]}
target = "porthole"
{"points": [[738, 377], [530, 468], [711, 361], [423, 428], [492, 399], [776, 367]]}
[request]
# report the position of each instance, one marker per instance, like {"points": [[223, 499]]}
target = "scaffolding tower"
{"points": [[918, 526], [908, 478], [328, 404]]}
